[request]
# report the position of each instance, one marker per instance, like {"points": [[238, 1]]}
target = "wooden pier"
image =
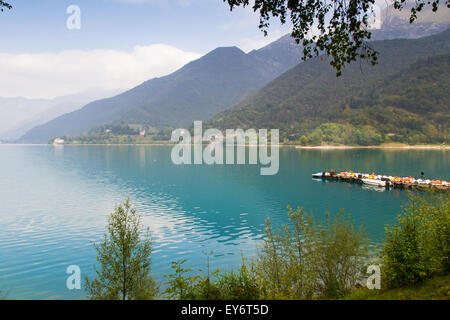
{"points": [[389, 181]]}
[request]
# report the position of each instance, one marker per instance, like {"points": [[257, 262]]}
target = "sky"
{"points": [[120, 43]]}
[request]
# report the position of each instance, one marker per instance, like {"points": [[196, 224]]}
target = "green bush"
{"points": [[417, 247], [124, 257], [241, 285], [304, 260], [184, 285], [181, 282], [311, 260], [340, 256]]}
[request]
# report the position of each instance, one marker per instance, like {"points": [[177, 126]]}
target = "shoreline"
{"points": [[321, 147], [400, 146], [296, 146]]}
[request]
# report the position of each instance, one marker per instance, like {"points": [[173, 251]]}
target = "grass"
{"points": [[437, 288]]}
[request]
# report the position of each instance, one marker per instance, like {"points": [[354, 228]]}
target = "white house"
{"points": [[58, 141]]}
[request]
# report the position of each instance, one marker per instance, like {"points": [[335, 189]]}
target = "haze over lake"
{"points": [[54, 202]]}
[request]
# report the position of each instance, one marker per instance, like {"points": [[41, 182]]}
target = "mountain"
{"points": [[279, 55], [406, 94], [18, 115], [197, 91], [15, 111], [213, 83], [395, 23]]}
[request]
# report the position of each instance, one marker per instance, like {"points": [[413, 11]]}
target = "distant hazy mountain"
{"points": [[197, 91], [18, 115], [406, 94], [16, 111], [395, 23]]}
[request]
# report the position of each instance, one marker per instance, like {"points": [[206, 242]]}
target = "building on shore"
{"points": [[58, 141]]}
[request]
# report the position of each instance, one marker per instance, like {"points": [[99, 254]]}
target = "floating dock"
{"points": [[383, 181]]}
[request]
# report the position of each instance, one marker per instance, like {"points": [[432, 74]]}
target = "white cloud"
{"points": [[47, 75]]}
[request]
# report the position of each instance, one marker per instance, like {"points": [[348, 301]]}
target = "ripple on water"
{"points": [[55, 202]]}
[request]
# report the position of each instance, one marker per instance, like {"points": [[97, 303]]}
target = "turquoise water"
{"points": [[54, 202]]}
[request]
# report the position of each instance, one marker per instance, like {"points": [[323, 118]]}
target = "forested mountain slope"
{"points": [[405, 96]]}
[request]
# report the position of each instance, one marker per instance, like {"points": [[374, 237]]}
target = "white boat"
{"points": [[374, 182], [318, 175]]}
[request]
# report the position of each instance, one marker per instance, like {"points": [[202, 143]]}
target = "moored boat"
{"points": [[375, 182], [382, 180], [317, 175]]}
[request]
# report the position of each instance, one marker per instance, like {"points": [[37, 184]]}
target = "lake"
{"points": [[54, 203]]}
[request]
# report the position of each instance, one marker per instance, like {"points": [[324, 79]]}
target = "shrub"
{"points": [[310, 259], [340, 253], [417, 247], [241, 285], [181, 283], [124, 258]]}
